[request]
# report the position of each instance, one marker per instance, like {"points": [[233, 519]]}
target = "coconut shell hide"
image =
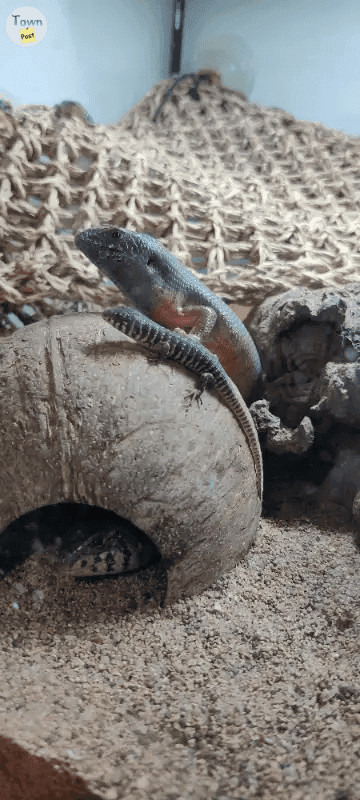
{"points": [[87, 418]]}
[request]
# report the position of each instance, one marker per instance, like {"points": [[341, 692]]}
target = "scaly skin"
{"points": [[168, 293]]}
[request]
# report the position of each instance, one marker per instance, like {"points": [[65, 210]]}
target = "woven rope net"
{"points": [[254, 201]]}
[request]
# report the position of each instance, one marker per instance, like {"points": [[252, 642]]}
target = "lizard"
{"points": [[191, 353], [163, 289]]}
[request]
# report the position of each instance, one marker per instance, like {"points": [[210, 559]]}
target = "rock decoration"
{"points": [[309, 344]]}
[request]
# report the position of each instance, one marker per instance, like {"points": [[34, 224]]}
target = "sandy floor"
{"points": [[250, 690]]}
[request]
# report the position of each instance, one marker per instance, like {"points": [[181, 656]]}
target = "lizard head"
{"points": [[136, 262]]}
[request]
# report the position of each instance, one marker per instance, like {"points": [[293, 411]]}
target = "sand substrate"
{"points": [[250, 690]]}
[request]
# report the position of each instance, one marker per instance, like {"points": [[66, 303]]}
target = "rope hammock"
{"points": [[252, 200]]}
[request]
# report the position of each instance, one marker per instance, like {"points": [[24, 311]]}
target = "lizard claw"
{"points": [[191, 396], [206, 382]]}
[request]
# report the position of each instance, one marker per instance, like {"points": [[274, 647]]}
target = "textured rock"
{"points": [[342, 484], [279, 438], [309, 343]]}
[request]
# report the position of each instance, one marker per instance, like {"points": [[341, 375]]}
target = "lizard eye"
{"points": [[151, 262], [115, 234]]}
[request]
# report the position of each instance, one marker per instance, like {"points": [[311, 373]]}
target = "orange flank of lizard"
{"points": [[165, 314]]}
